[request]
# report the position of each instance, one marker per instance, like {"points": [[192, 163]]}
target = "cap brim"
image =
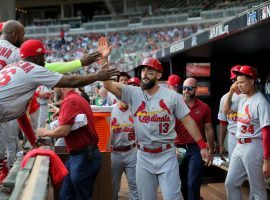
{"points": [[48, 51], [141, 66], [240, 73]]}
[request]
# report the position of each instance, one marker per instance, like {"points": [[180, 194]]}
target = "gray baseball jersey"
{"points": [[18, 82], [253, 114], [230, 118], [8, 53], [122, 127], [154, 116], [111, 99], [40, 100]]}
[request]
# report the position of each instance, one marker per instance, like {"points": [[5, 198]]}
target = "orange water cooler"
{"points": [[102, 119]]}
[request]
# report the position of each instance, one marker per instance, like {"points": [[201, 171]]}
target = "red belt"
{"points": [[244, 140], [154, 150], [124, 148]]}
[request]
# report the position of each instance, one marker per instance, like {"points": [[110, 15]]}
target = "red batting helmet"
{"points": [[134, 81], [174, 80], [234, 68], [153, 63], [1, 26], [247, 70]]}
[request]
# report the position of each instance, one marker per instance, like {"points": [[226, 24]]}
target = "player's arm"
{"points": [[222, 135], [266, 151], [228, 99], [193, 130], [113, 87], [27, 129], [209, 132], [60, 131], [65, 67], [79, 81]]}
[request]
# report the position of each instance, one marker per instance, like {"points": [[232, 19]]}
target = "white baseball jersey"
{"points": [[154, 116], [40, 100], [111, 99], [8, 53], [253, 114], [230, 118], [18, 82], [122, 127]]}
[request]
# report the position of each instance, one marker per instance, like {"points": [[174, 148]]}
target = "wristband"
{"points": [[201, 144]]}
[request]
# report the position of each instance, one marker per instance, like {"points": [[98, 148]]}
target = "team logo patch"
{"points": [[39, 50]]}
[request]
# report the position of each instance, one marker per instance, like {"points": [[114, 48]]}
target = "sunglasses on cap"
{"points": [[189, 88]]}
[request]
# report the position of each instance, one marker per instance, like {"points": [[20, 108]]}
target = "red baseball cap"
{"points": [[31, 48], [246, 70], [234, 68], [134, 81], [1, 26], [174, 80], [153, 63]]}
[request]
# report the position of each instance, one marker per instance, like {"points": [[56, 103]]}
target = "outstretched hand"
{"points": [[105, 74], [103, 47], [88, 59]]}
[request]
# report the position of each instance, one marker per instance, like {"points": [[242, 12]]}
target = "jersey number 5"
{"points": [[5, 76], [163, 128]]}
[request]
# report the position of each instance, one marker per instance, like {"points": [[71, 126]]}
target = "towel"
{"points": [[57, 169]]}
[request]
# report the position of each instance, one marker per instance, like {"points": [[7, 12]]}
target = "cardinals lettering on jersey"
{"points": [[122, 128], [153, 116], [5, 52]]}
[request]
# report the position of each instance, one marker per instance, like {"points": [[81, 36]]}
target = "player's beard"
{"points": [[189, 96], [149, 85]]}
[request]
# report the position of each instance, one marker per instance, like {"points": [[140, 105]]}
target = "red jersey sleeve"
{"points": [[68, 112]]}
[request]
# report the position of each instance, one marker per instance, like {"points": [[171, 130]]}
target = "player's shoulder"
{"points": [[7, 44], [260, 97]]}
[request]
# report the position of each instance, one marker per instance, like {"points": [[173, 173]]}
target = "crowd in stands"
{"points": [[125, 44]]}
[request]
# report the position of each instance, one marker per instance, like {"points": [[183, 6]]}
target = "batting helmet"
{"points": [[174, 80], [134, 81], [234, 68], [153, 63], [246, 70]]}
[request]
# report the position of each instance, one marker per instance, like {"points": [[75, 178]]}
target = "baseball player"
{"points": [[249, 159], [9, 53], [174, 82], [122, 78], [134, 81], [228, 122], [154, 111], [124, 151]]}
